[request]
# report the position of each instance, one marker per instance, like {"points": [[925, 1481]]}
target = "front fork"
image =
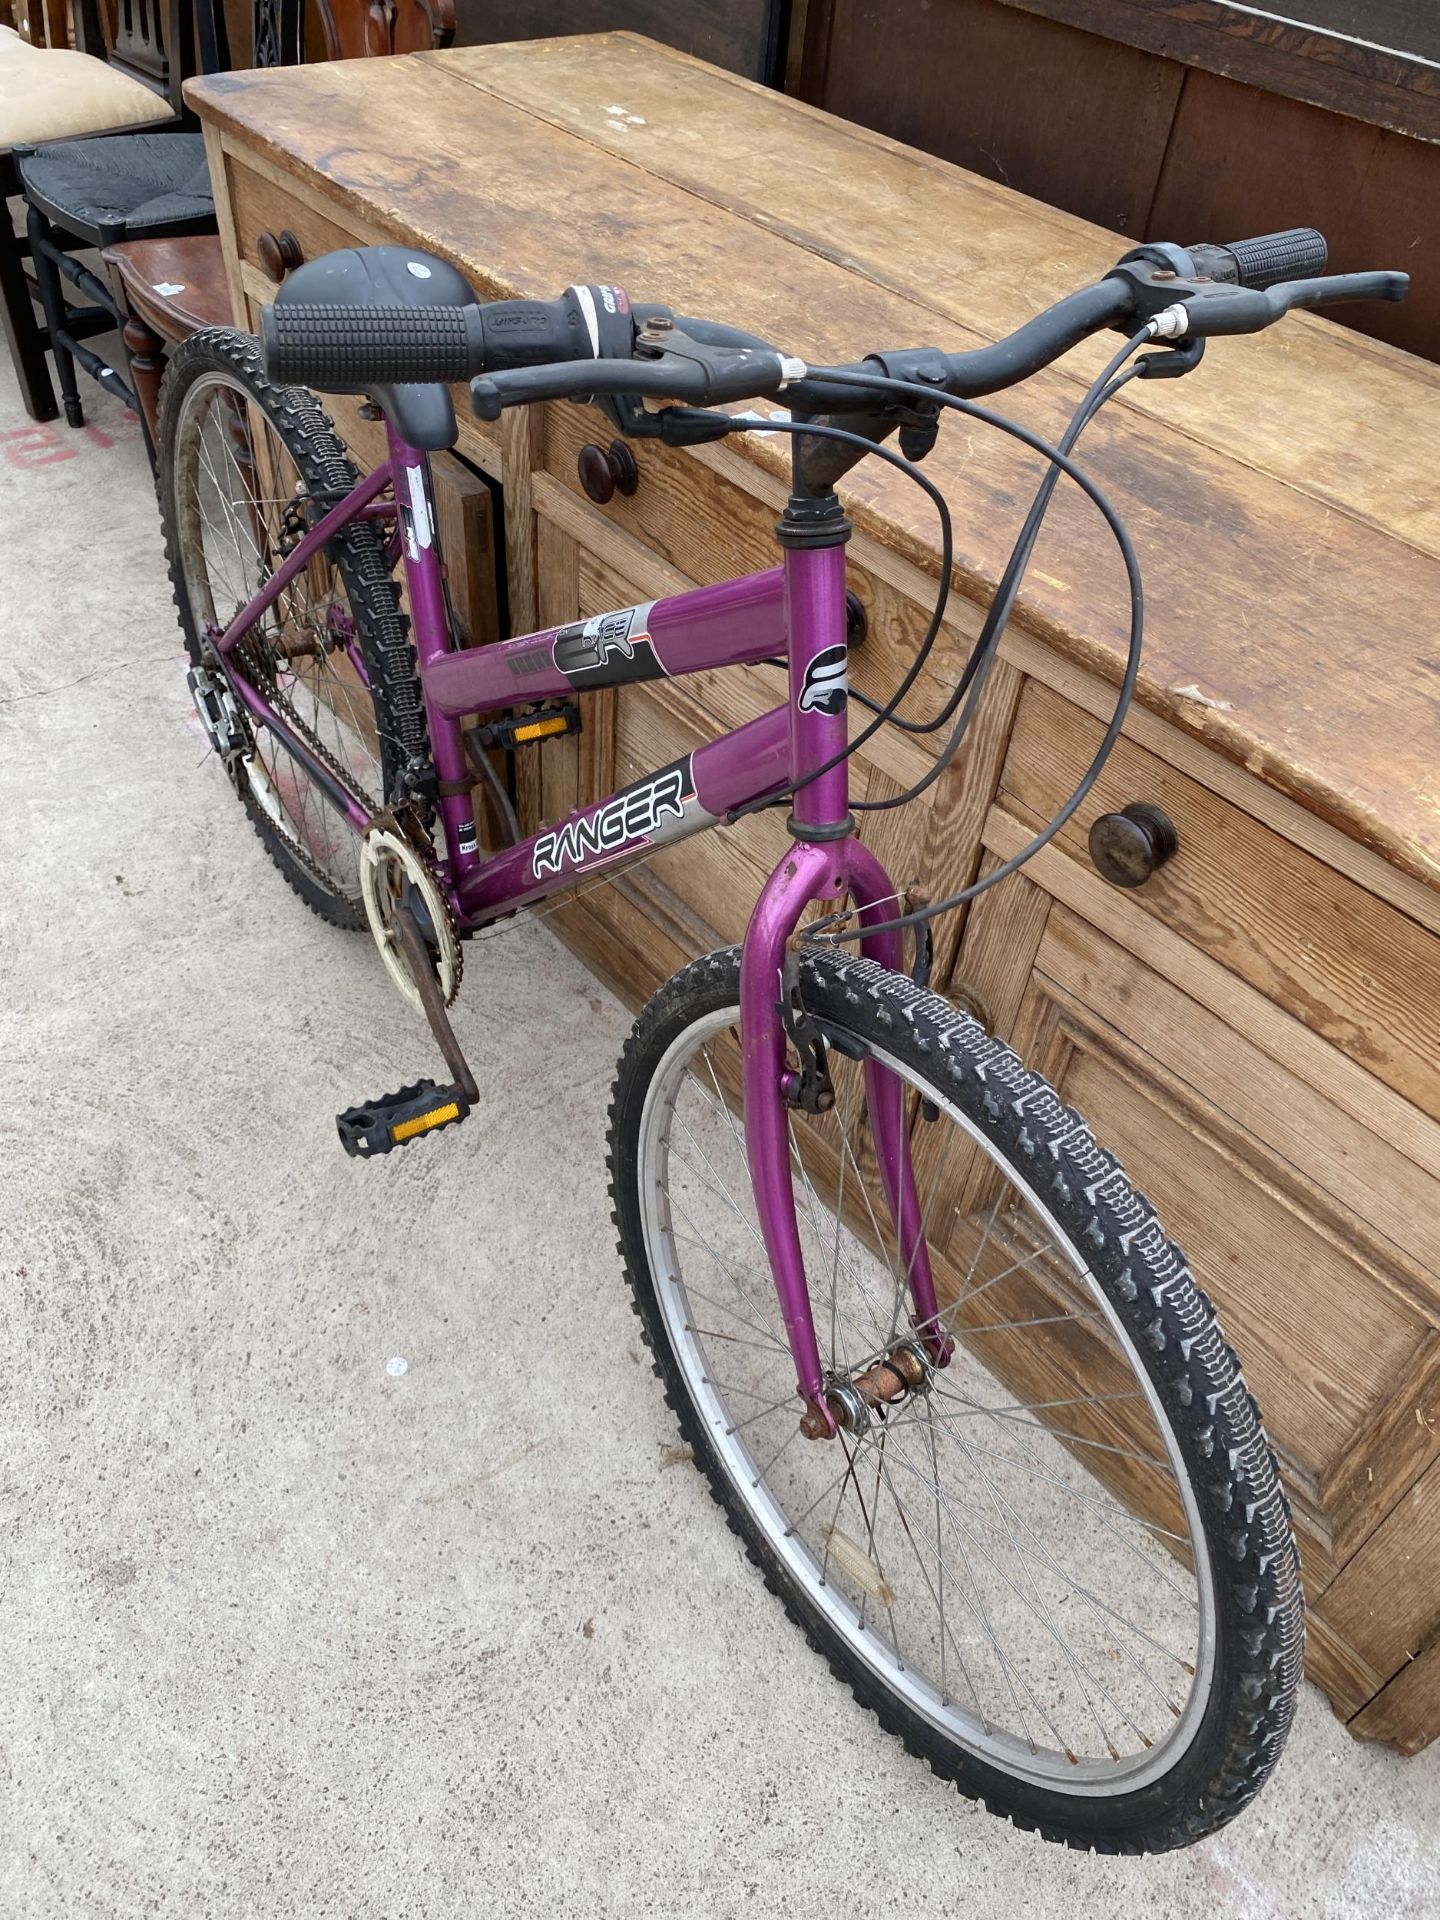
{"points": [[809, 872]]}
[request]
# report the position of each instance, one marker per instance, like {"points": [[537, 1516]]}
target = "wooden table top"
{"points": [[1284, 499]]}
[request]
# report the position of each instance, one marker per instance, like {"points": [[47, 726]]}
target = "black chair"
{"points": [[148, 185], [130, 84], [167, 288]]}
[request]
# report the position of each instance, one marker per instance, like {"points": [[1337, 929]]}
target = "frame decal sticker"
{"points": [[658, 808], [826, 685], [531, 660], [608, 650]]}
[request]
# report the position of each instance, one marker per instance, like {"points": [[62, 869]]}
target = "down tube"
{"points": [[811, 872], [684, 798]]}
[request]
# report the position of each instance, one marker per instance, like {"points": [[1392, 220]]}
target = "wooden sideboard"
{"points": [[1257, 1029]]}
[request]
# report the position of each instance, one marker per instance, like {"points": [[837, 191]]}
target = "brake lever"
{"points": [[1180, 304], [1209, 307], [726, 372], [1333, 288], [665, 363]]}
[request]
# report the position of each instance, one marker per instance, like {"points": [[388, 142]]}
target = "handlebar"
{"points": [[592, 343]]}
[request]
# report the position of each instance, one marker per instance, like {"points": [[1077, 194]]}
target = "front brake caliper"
{"points": [[810, 1087]]}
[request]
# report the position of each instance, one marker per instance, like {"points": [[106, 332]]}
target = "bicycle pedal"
{"points": [[398, 1118]]}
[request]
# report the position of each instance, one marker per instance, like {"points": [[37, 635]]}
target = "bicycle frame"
{"points": [[797, 611]]}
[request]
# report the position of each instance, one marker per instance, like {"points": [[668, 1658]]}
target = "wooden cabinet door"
{"points": [[1273, 1193]]}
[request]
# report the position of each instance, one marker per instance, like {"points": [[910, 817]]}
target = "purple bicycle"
{"points": [[957, 1392]]}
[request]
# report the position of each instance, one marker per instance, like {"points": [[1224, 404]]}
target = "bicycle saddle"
{"points": [[388, 277]]}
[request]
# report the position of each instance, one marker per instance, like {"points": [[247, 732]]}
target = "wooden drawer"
{"points": [[710, 884], [1244, 1164], [1350, 967], [261, 204], [1389, 1597], [707, 528]]}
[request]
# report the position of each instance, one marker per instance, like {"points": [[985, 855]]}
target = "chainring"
{"points": [[387, 863]]}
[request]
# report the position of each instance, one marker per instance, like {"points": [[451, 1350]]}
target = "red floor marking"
{"points": [[46, 443], [35, 445]]}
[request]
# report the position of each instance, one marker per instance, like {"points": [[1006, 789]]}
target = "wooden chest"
{"points": [[1257, 1029]]}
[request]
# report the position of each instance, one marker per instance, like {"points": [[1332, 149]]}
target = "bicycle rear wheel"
{"points": [[1061, 1567], [245, 470]]}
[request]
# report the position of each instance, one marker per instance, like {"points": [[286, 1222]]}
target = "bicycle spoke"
{"points": [[1011, 1418]]}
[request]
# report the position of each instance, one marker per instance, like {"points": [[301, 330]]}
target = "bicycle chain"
{"points": [[457, 944], [261, 676]]}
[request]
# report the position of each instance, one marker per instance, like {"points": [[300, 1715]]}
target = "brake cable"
{"points": [[883, 383], [987, 648], [1104, 388]]}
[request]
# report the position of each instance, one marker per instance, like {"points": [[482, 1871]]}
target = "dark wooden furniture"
{"points": [[134, 186], [149, 53], [1182, 119], [362, 29], [44, 23], [94, 193], [1257, 1027], [166, 287], [750, 37]]}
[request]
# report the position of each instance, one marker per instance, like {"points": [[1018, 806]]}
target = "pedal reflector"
{"points": [[542, 729], [423, 1122], [399, 1118], [519, 731]]}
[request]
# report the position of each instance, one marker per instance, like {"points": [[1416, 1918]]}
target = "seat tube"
{"points": [[425, 587]]}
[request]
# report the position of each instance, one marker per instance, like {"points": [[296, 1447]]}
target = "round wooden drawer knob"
{"points": [[279, 254], [606, 472], [1128, 846]]}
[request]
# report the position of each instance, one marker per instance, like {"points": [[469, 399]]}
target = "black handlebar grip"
{"points": [[339, 348], [348, 347], [1299, 254]]}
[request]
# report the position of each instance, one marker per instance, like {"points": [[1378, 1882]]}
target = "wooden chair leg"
{"points": [[146, 350], [52, 299], [22, 331]]}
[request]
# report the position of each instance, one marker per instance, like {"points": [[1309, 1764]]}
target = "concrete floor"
{"points": [[288, 1630]]}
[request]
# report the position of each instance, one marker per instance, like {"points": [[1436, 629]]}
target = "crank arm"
{"points": [[417, 958], [377, 1126]]}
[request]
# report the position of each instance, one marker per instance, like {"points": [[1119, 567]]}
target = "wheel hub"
{"points": [[852, 1404]]}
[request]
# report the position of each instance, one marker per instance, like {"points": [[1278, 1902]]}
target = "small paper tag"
{"points": [[419, 508]]}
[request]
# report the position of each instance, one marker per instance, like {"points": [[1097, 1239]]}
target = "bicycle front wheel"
{"points": [[1060, 1567]]}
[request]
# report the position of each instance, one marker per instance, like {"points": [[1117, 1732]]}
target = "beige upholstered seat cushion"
{"points": [[49, 93]]}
